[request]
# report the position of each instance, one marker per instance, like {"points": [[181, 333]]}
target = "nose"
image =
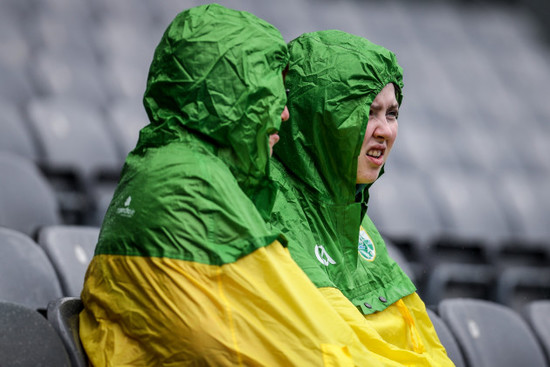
{"points": [[285, 114], [382, 130]]}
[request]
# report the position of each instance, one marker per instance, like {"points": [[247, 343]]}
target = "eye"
{"points": [[394, 114]]}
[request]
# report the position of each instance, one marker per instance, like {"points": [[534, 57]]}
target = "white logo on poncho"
{"points": [[366, 246], [126, 211], [323, 256]]}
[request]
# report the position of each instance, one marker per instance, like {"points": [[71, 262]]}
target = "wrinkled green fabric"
{"points": [[197, 183], [333, 79]]}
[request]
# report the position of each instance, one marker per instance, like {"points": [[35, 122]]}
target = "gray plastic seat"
{"points": [[473, 218], [68, 75], [400, 259], [404, 212], [70, 250], [14, 135], [26, 275], [537, 314], [449, 280], [528, 208], [78, 153], [469, 207], [126, 118], [491, 334], [447, 338], [28, 339], [518, 285], [15, 86], [63, 315], [27, 202]]}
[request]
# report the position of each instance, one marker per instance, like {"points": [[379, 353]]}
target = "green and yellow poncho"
{"points": [[186, 271], [333, 78]]}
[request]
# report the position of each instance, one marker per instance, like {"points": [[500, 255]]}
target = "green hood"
{"points": [[216, 74], [333, 79]]}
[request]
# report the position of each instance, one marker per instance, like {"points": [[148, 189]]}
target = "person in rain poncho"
{"points": [[344, 98], [186, 271]]}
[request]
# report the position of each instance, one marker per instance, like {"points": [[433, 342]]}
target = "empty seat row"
{"points": [[33, 273], [436, 217], [73, 145], [510, 285], [27, 338], [480, 333], [513, 287], [475, 333]]}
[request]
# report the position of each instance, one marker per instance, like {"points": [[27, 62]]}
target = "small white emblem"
{"points": [[323, 256], [126, 211]]}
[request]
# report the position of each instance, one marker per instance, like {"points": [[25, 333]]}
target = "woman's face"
{"points": [[380, 135]]}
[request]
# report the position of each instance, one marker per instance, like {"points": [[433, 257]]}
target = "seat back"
{"points": [[517, 286], [14, 136], [459, 281], [26, 275], [70, 249], [396, 254], [28, 339], [537, 314], [27, 202], [63, 315], [78, 154], [491, 334]]}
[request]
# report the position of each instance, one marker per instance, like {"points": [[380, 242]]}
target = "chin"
{"points": [[368, 177]]}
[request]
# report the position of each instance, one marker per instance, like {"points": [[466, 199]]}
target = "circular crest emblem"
{"points": [[366, 246]]}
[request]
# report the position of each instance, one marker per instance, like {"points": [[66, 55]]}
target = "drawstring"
{"points": [[418, 346]]}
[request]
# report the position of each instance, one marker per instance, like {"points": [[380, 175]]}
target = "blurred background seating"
{"points": [[464, 202]]}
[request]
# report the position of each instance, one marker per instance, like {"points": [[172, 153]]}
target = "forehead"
{"points": [[386, 97]]}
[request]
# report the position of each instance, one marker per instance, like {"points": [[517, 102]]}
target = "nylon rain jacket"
{"points": [[333, 79]]}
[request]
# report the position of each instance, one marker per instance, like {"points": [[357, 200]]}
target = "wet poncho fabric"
{"points": [[213, 93], [333, 78], [186, 271]]}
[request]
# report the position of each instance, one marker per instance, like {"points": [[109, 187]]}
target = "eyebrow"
{"points": [[377, 106]]}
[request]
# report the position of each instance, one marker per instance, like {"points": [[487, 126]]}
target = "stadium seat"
{"points": [[70, 250], [15, 86], [526, 201], [28, 339], [537, 314], [78, 156], [447, 339], [63, 315], [14, 135], [26, 275], [470, 211], [126, 118], [62, 74], [472, 216], [491, 334], [27, 202], [459, 280], [516, 286], [400, 259], [400, 211]]}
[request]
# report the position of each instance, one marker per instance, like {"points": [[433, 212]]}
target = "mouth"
{"points": [[376, 156]]}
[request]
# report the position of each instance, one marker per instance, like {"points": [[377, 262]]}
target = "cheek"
{"points": [[391, 140]]}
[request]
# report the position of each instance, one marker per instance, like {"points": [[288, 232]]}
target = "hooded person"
{"points": [[344, 96], [186, 270]]}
